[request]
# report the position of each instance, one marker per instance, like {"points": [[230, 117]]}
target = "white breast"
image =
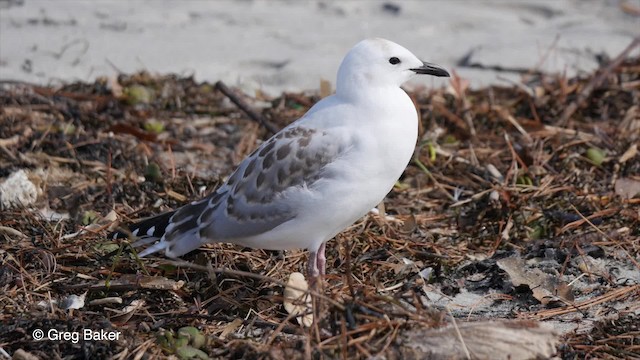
{"points": [[381, 148]]}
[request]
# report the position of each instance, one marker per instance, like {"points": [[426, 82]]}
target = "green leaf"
{"points": [[155, 127], [152, 173], [138, 94], [89, 217], [595, 155]]}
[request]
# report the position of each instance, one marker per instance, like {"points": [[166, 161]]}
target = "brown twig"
{"points": [[220, 86], [595, 82], [465, 62], [613, 295]]}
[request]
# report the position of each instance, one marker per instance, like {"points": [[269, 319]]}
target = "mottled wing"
{"points": [[257, 196]]}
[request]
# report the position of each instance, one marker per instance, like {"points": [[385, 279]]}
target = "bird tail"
{"points": [[147, 231]]}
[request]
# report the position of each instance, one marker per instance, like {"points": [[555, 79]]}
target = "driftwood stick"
{"points": [[595, 82], [465, 62], [220, 86]]}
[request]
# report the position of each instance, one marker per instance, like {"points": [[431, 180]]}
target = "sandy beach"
{"points": [[288, 45]]}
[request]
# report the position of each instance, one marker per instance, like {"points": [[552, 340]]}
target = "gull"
{"points": [[315, 177]]}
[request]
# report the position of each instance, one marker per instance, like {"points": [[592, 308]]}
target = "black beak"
{"points": [[431, 69]]}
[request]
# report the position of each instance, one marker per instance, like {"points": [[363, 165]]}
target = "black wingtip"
{"points": [[154, 226]]}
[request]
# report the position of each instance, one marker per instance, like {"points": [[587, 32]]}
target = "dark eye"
{"points": [[394, 61]]}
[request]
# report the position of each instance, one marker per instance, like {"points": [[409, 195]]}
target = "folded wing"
{"points": [[257, 197]]}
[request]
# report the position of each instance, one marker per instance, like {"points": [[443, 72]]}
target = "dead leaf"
{"points": [[122, 316], [544, 287], [297, 301], [17, 191], [73, 302], [631, 152], [110, 217], [11, 232], [410, 224], [627, 188], [230, 327]]}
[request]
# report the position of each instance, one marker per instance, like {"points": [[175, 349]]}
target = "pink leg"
{"points": [[312, 265], [321, 260]]}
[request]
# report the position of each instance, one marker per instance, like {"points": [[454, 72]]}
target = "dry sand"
{"points": [[291, 45]]}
